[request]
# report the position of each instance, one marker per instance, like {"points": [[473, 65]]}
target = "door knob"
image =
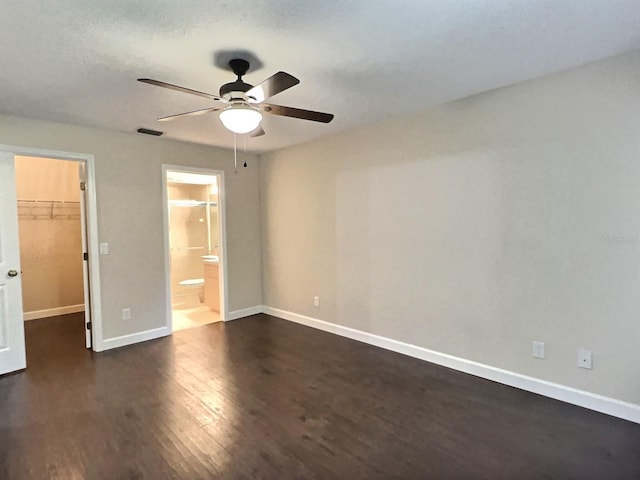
{"points": [[12, 273]]}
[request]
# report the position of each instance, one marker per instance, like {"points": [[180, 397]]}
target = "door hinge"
{"points": [[85, 256], [88, 325], [83, 186]]}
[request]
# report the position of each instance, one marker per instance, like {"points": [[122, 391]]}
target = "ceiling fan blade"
{"points": [[158, 83], [258, 132], [272, 86], [296, 113], [189, 114]]}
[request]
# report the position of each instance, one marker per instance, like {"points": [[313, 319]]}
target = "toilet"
{"points": [[193, 290]]}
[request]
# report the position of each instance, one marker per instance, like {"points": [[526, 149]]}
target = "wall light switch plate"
{"points": [[104, 249]]}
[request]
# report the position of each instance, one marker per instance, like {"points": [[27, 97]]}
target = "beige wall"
{"points": [[129, 194], [50, 239], [475, 228]]}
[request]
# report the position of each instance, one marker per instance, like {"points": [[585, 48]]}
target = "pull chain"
{"points": [[244, 142], [235, 154]]}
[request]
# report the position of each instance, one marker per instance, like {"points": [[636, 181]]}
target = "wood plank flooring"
{"points": [[262, 398]]}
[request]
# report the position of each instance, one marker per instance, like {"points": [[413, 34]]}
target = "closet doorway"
{"points": [[53, 248], [195, 246]]}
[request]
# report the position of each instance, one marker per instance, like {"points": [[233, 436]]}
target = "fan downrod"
{"points": [[239, 67]]}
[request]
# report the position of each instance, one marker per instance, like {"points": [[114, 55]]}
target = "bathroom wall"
{"points": [[50, 238], [187, 235]]}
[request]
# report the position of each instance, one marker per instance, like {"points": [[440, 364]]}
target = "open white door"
{"points": [[85, 249], [12, 348]]}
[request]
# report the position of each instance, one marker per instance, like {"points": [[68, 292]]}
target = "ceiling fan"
{"points": [[241, 105]]}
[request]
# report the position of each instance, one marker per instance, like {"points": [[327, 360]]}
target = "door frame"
{"points": [[91, 212], [222, 233]]}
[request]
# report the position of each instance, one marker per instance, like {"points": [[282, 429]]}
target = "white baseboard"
{"points": [[53, 312], [599, 403], [245, 312], [132, 338], [152, 334]]}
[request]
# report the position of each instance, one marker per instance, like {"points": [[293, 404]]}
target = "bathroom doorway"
{"points": [[53, 247], [194, 236]]}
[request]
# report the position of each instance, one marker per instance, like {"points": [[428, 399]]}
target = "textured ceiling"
{"points": [[77, 61]]}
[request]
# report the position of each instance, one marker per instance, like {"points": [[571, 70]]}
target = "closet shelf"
{"points": [[48, 209]]}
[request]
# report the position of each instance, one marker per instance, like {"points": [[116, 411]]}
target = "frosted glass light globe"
{"points": [[240, 118]]}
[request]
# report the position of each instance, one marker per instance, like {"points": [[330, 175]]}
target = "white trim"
{"points": [[167, 250], [22, 151], [132, 338], [94, 254], [581, 398], [222, 246], [52, 312], [245, 312], [86, 288], [95, 303]]}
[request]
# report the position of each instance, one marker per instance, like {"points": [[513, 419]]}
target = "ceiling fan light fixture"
{"points": [[240, 118]]}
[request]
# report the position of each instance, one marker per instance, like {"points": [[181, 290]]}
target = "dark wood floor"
{"points": [[264, 398]]}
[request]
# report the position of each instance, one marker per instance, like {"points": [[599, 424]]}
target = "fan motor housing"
{"points": [[237, 86]]}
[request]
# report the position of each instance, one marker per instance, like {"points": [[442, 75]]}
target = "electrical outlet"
{"points": [[126, 314], [585, 359], [538, 349], [316, 301], [104, 249]]}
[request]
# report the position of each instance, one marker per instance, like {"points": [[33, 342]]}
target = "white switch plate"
{"points": [[538, 349], [585, 359], [316, 301], [104, 249], [126, 314]]}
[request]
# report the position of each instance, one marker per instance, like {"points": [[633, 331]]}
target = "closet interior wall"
{"points": [[49, 225]]}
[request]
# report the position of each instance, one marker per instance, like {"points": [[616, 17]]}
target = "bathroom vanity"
{"points": [[212, 285]]}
